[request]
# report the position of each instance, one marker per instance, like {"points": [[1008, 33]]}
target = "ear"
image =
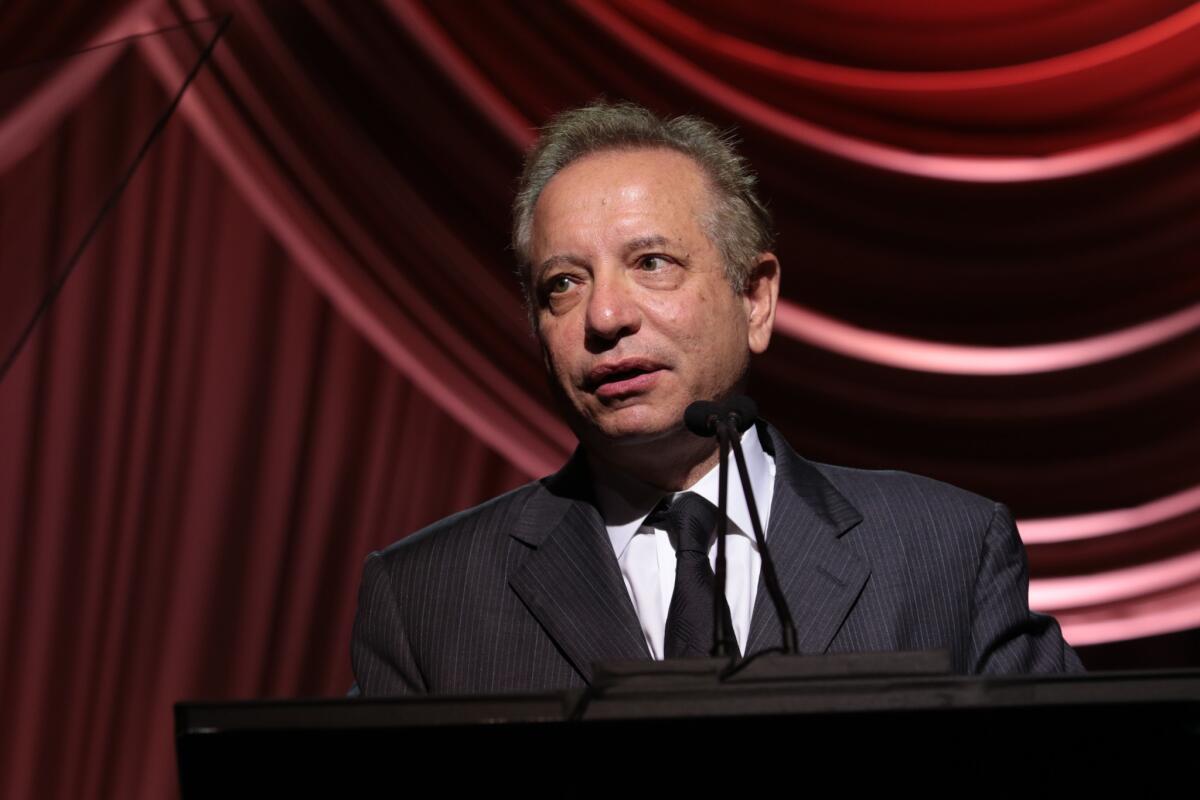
{"points": [[760, 296]]}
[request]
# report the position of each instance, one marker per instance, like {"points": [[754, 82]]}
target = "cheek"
{"points": [[553, 346], [684, 320], [564, 354]]}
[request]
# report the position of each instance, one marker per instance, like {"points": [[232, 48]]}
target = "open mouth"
{"points": [[625, 379], [621, 375]]}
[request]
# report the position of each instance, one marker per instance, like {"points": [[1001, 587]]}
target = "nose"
{"points": [[612, 309]]}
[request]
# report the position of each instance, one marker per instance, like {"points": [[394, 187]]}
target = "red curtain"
{"points": [[296, 337]]}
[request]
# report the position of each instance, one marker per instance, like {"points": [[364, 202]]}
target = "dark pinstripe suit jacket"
{"points": [[523, 593]]}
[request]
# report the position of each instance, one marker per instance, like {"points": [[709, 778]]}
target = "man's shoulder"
{"points": [[487, 521], [872, 491], [907, 494]]}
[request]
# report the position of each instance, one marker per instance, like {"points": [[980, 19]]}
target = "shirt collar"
{"points": [[625, 501]]}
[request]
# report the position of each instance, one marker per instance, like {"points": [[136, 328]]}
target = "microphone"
{"points": [[701, 417], [741, 411]]}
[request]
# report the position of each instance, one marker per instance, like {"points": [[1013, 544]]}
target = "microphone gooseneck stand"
{"points": [[705, 418], [727, 421]]}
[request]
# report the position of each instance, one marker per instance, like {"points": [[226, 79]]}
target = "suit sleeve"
{"points": [[379, 646], [1006, 636]]}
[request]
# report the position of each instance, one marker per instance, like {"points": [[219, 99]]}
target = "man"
{"points": [[648, 267]]}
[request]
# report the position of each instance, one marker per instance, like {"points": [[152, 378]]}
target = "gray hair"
{"points": [[738, 224]]}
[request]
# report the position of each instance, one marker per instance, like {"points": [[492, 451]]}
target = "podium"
{"points": [[1030, 730]]}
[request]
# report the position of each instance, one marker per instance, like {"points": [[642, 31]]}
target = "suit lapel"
{"points": [[570, 580], [820, 575]]}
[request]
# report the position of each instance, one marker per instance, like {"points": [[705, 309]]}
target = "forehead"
{"points": [[615, 191]]}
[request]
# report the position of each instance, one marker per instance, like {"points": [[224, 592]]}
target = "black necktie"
{"points": [[693, 521]]}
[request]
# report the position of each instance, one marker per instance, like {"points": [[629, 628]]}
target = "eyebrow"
{"points": [[560, 258], [645, 241], [631, 246]]}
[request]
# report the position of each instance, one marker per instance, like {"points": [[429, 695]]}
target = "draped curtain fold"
{"points": [[297, 336]]}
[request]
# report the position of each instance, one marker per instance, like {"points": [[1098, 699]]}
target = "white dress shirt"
{"points": [[647, 555]]}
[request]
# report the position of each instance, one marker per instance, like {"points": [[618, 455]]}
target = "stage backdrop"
{"points": [[257, 313]]}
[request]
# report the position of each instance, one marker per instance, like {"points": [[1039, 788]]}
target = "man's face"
{"points": [[635, 314]]}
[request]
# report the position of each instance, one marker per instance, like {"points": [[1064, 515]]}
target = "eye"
{"points": [[652, 263], [558, 284]]}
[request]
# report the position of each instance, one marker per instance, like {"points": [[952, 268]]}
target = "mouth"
{"points": [[622, 378]]}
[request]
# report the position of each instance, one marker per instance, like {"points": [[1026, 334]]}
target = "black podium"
{"points": [[1030, 731]]}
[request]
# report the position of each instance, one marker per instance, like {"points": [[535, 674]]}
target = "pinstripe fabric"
{"points": [[523, 593]]}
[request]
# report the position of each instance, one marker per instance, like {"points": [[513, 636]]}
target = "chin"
{"points": [[627, 429]]}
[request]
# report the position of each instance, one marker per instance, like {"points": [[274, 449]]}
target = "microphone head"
{"points": [[743, 410], [701, 417]]}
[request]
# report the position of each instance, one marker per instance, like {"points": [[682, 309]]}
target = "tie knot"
{"points": [[690, 517]]}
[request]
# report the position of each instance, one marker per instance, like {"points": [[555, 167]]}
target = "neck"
{"points": [[671, 466]]}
